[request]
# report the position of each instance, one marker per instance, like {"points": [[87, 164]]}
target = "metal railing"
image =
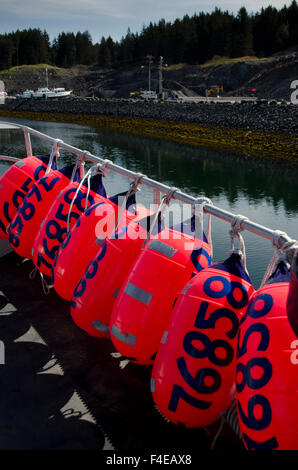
{"points": [[158, 187]]}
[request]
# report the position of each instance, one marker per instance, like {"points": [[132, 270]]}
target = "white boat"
{"points": [[61, 92], [26, 94], [54, 93], [45, 92]]}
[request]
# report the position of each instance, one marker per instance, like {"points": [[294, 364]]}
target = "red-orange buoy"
{"points": [[145, 301], [54, 226], [266, 375], [89, 232], [193, 375], [96, 292], [15, 184], [33, 209]]}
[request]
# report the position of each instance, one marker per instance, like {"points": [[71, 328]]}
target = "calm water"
{"points": [[264, 192]]}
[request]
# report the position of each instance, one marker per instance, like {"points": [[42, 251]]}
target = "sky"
{"points": [[109, 17]]}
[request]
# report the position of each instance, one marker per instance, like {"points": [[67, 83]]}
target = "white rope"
{"points": [[283, 251], [33, 273], [163, 206], [45, 286], [236, 228], [54, 153], [93, 170], [134, 187], [80, 163], [199, 221]]}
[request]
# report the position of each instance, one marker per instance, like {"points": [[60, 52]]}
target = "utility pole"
{"points": [[149, 57], [160, 75]]}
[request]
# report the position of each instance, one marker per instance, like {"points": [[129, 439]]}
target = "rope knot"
{"points": [[234, 232], [203, 200], [236, 225], [170, 194], [134, 185]]}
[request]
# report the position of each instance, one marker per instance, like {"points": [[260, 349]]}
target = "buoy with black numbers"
{"points": [[66, 209], [16, 183], [193, 376], [96, 292], [267, 361], [91, 229], [146, 298], [34, 207]]}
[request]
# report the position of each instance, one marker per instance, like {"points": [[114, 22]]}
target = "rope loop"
{"points": [[80, 163], [164, 204], [54, 153], [198, 207], [236, 225], [234, 232], [166, 199], [88, 177], [104, 166], [285, 250], [45, 286], [32, 274], [134, 185], [202, 201]]}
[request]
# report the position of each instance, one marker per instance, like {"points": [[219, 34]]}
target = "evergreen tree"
{"points": [[6, 52], [243, 36], [193, 39]]}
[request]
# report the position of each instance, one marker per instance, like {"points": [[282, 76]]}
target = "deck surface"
{"points": [[61, 389]]}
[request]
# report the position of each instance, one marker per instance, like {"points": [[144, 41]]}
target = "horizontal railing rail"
{"points": [[222, 214]]}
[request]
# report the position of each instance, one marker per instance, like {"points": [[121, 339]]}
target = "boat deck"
{"points": [[61, 389]]}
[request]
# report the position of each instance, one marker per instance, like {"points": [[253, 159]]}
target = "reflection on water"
{"points": [[263, 191]]}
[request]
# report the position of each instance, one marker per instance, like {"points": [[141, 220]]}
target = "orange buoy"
{"points": [[15, 184], [96, 292], [33, 209], [58, 220], [266, 374], [146, 298], [193, 377], [90, 230]]}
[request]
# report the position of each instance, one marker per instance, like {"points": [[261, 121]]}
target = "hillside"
{"points": [[271, 77]]}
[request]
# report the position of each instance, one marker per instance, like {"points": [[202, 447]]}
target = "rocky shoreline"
{"points": [[260, 130], [272, 117]]}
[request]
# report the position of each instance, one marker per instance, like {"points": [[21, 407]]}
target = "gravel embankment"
{"points": [[260, 116]]}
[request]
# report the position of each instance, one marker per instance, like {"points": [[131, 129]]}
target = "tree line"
{"points": [[192, 39]]}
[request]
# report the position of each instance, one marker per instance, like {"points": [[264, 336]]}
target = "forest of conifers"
{"points": [[192, 40]]}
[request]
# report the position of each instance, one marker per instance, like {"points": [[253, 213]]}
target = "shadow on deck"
{"points": [[61, 389]]}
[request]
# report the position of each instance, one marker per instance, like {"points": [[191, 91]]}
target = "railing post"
{"points": [[28, 143]]}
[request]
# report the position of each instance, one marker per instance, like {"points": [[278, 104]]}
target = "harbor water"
{"points": [[261, 190]]}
